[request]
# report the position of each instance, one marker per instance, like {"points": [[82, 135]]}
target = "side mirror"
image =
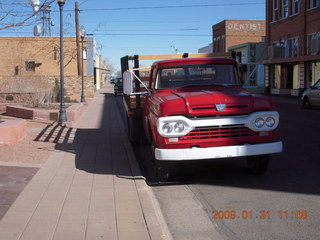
{"points": [[127, 82]]}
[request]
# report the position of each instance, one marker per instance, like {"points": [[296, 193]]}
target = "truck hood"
{"points": [[210, 101]]}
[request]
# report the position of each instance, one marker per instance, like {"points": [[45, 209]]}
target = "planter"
{"points": [[12, 131], [73, 112]]}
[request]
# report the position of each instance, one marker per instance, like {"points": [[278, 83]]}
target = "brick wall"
{"points": [[306, 22], [236, 32], [26, 89], [44, 51], [43, 74]]}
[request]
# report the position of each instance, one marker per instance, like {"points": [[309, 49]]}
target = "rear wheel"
{"points": [[134, 130], [258, 164]]}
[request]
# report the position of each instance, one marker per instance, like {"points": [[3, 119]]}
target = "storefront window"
{"points": [[277, 76], [296, 83], [315, 72]]}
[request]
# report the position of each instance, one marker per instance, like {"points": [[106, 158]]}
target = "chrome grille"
{"points": [[219, 132]]}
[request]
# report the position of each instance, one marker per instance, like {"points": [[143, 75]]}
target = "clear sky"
{"points": [[128, 27]]}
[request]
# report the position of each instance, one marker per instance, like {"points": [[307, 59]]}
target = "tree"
{"points": [[18, 13], [109, 65]]}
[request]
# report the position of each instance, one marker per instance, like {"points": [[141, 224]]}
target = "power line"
{"points": [[153, 34], [177, 20], [172, 6], [129, 34], [145, 30], [160, 7]]}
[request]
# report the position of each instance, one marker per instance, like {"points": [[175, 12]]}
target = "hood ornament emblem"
{"points": [[220, 107]]}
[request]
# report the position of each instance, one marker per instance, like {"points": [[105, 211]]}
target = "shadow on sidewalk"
{"points": [[100, 148]]}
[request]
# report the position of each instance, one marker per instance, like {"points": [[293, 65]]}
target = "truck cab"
{"points": [[196, 109]]}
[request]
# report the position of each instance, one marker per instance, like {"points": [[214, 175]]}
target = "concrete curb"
{"points": [[21, 164], [156, 224]]}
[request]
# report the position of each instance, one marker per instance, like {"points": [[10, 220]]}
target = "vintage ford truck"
{"points": [[196, 109]]}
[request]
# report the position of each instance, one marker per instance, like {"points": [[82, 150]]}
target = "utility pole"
{"points": [[78, 38]]}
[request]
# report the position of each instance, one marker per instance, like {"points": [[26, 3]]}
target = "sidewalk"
{"points": [[89, 188]]}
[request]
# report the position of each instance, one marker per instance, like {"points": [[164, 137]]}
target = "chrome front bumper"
{"points": [[217, 152]]}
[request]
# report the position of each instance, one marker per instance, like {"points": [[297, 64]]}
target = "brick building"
{"points": [[293, 41], [31, 65], [230, 33]]}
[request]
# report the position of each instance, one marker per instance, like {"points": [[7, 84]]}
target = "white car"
{"points": [[311, 97]]}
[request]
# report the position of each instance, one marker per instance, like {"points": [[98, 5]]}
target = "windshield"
{"points": [[119, 80], [196, 75]]}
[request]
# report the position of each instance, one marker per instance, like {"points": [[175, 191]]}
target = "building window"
{"points": [[224, 43], [295, 7], [30, 66], [275, 12], [55, 53], [313, 44], [288, 49], [216, 44], [285, 8], [309, 41], [292, 48], [84, 53], [314, 3], [16, 70], [296, 47]]}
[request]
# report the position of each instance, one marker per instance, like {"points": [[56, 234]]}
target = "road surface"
{"points": [[221, 199]]}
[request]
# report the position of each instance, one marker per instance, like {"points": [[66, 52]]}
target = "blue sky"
{"points": [[149, 27]]}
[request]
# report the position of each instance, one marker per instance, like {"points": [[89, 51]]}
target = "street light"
{"points": [[82, 32], [175, 49], [62, 115]]}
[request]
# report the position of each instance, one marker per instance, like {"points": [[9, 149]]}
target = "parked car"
{"points": [[311, 97], [112, 80], [118, 86]]}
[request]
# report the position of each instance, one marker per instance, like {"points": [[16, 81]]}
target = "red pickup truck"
{"points": [[195, 109]]}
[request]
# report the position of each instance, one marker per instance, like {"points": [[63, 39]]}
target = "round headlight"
{"points": [[167, 128], [270, 121], [179, 127], [259, 122]]}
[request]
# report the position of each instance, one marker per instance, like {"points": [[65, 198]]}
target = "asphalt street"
{"points": [[221, 199]]}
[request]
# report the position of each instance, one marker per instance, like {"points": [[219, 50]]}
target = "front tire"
{"points": [[162, 171], [258, 164], [161, 168], [306, 103]]}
